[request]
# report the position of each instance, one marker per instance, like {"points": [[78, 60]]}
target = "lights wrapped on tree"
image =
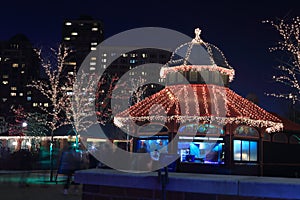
{"points": [[289, 45]]}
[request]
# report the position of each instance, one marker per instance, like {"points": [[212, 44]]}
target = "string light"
{"points": [[229, 72], [290, 45], [215, 55], [237, 109], [53, 89], [208, 99]]}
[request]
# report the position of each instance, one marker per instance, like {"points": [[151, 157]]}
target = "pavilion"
{"points": [[215, 129]]}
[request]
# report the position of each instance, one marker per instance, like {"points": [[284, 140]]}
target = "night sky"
{"points": [[234, 26]]}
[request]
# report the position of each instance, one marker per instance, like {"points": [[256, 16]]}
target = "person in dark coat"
{"points": [[69, 163]]}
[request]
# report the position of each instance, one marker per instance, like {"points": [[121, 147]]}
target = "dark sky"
{"points": [[234, 26]]}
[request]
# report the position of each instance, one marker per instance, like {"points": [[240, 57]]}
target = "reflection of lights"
{"points": [[15, 143]]}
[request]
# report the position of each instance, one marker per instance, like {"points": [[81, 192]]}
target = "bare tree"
{"points": [[289, 48], [55, 89]]}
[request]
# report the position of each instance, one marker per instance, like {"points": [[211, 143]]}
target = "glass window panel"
{"points": [[225, 79], [180, 77], [193, 75], [245, 150], [237, 149], [205, 76], [172, 77], [216, 77], [253, 151]]}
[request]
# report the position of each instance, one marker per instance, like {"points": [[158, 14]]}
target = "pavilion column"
{"points": [[172, 131], [261, 152], [229, 133]]}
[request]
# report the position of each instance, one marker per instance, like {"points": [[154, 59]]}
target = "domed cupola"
{"points": [[197, 62]]}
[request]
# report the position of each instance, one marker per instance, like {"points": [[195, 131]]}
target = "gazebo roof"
{"points": [[197, 55], [199, 102]]}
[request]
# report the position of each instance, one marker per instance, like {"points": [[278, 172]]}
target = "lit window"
{"points": [[93, 48], [103, 66], [124, 55], [69, 93], [94, 29], [144, 73], [46, 104], [244, 150], [34, 104], [15, 65], [68, 23], [144, 55], [103, 60], [13, 88], [4, 99], [93, 63], [28, 98], [21, 94], [92, 68], [132, 61], [93, 58], [13, 94], [5, 76], [94, 43], [28, 92], [74, 33], [71, 73], [5, 82], [22, 72], [133, 55], [104, 54], [161, 80], [67, 38], [70, 63]]}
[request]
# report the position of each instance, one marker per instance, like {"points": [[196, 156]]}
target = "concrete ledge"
{"points": [[269, 187], [243, 186]]}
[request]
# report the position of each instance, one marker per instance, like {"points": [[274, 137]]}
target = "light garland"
{"points": [[229, 72], [238, 110], [271, 126]]}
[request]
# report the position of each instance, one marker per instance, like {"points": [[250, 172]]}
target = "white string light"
{"points": [[238, 110], [290, 45]]}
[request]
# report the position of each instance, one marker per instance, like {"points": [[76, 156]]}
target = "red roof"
{"points": [[200, 102]]}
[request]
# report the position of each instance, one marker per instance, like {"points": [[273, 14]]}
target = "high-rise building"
{"points": [[19, 65], [82, 36]]}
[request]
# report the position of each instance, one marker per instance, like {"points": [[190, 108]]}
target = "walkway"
{"points": [[39, 187]]}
